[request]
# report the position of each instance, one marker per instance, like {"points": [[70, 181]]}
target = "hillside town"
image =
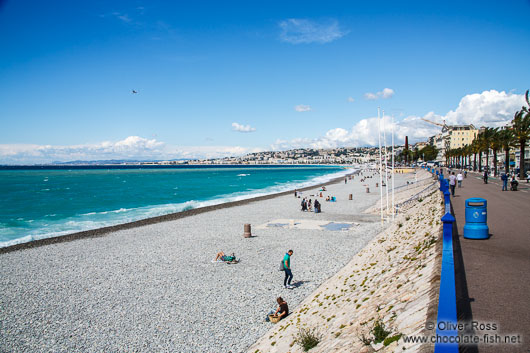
{"points": [[465, 146]]}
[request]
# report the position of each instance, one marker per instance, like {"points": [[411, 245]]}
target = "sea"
{"points": [[44, 202]]}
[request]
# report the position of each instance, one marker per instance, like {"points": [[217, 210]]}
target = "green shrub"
{"points": [[379, 331], [308, 338]]}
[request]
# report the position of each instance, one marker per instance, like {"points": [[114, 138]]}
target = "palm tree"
{"points": [[467, 154], [506, 141], [495, 146], [521, 131], [461, 155], [475, 148], [487, 135], [458, 157], [480, 149], [448, 154]]}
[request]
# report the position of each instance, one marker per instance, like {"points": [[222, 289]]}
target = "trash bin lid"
{"points": [[476, 200]]}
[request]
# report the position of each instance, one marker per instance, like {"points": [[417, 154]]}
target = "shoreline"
{"points": [[103, 231]]}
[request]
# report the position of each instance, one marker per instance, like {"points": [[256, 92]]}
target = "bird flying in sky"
{"points": [[134, 92]]}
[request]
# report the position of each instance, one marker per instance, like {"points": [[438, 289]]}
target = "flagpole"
{"points": [[380, 165], [386, 164], [393, 166]]}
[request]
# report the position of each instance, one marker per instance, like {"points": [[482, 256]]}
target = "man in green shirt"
{"points": [[287, 268]]}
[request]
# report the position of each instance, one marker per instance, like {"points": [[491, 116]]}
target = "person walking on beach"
{"points": [[459, 178], [452, 183], [504, 178], [287, 269]]}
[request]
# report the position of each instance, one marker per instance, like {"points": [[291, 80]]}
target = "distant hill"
{"points": [[114, 161]]}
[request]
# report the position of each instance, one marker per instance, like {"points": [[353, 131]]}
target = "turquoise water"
{"points": [[43, 203]]}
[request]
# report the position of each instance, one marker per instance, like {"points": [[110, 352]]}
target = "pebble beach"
{"points": [[154, 288]]}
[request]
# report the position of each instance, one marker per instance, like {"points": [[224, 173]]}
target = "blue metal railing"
{"points": [[447, 322]]}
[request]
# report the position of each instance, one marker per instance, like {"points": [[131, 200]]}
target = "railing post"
{"points": [[446, 323], [447, 200]]}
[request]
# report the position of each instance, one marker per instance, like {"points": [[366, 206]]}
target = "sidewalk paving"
{"points": [[493, 275]]}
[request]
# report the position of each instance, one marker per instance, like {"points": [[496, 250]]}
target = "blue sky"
{"points": [[291, 75]]}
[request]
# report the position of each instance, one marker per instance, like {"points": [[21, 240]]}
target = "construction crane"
{"points": [[444, 126], [432, 122]]}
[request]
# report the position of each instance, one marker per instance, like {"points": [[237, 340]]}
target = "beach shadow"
{"points": [[298, 283]]}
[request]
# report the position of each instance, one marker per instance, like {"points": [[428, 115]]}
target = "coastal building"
{"points": [[420, 145], [461, 135], [452, 137]]}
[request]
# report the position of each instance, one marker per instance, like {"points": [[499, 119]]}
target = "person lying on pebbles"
{"points": [[228, 259]]}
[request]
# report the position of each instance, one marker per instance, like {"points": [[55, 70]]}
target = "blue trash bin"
{"points": [[476, 219]]}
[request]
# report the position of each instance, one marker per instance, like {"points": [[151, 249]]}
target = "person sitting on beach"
{"points": [[281, 312], [328, 198], [221, 256]]}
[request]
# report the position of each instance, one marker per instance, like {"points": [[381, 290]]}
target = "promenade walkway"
{"points": [[493, 276]]}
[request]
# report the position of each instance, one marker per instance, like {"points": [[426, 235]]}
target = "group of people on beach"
{"points": [[283, 310], [364, 177], [307, 205]]}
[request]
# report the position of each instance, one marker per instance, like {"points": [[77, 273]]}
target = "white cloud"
{"points": [[384, 94], [123, 17], [242, 128], [302, 108], [351, 100], [370, 96], [364, 133], [489, 108], [120, 16], [131, 148], [303, 31]]}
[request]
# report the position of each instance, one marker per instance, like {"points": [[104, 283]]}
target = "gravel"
{"points": [[155, 289]]}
